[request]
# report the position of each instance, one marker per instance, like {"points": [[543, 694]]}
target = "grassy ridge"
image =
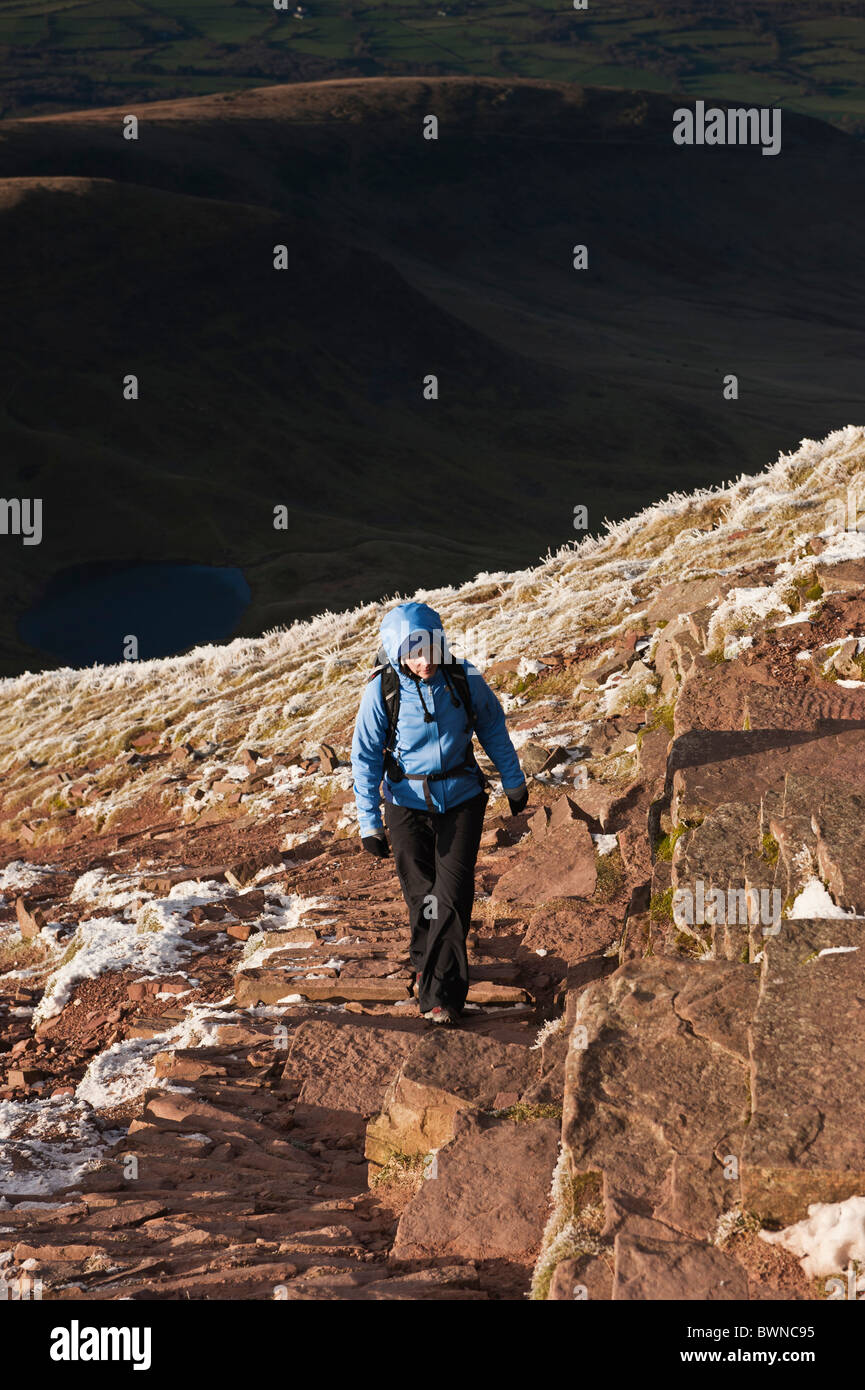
{"points": [[59, 54]]}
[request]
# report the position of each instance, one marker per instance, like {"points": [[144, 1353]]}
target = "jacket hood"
{"points": [[401, 622]]}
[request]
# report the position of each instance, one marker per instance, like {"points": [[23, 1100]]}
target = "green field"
{"points": [[61, 54]]}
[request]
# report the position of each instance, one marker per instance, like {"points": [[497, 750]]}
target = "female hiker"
{"points": [[414, 733]]}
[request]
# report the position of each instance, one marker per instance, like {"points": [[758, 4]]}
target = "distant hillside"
{"points": [[807, 57], [407, 257]]}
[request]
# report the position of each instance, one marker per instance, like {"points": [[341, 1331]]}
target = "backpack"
{"points": [[457, 682]]}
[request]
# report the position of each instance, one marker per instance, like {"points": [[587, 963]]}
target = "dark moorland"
{"points": [[303, 387]]}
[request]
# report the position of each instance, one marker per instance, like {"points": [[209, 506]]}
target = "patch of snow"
{"points": [[39, 1206], [836, 950], [814, 901], [735, 646], [48, 1144], [623, 687], [521, 736], [844, 545], [121, 1072], [605, 844], [19, 874], [528, 667], [237, 772], [828, 1239], [109, 890], [153, 944], [289, 908]]}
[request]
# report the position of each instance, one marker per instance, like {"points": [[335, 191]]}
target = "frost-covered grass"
{"points": [[573, 1227], [550, 1029], [294, 686]]}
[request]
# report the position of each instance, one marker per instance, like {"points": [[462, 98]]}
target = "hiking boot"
{"points": [[442, 1013]]}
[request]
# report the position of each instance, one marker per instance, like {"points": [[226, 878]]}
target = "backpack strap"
{"points": [[457, 681], [390, 694]]}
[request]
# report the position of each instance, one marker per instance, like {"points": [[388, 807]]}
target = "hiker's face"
{"points": [[421, 667], [423, 654]]}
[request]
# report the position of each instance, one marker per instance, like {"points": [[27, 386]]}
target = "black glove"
{"points": [[377, 845], [518, 801]]}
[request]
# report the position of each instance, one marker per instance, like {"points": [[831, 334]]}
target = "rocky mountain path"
{"points": [[214, 1082], [243, 1172]]}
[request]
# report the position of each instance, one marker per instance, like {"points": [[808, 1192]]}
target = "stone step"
{"points": [[263, 986], [489, 992]]}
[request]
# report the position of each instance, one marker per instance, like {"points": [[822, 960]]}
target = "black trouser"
{"points": [[435, 854]]}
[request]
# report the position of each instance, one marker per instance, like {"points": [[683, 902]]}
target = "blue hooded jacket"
{"points": [[425, 747]]}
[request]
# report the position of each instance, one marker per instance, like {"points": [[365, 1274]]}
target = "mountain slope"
{"points": [[202, 970], [407, 257]]}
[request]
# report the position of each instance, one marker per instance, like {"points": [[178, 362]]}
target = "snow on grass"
{"points": [[153, 943], [108, 890], [18, 875], [300, 837], [46, 1145], [741, 610], [120, 1073], [828, 1239], [735, 646], [814, 900]]}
